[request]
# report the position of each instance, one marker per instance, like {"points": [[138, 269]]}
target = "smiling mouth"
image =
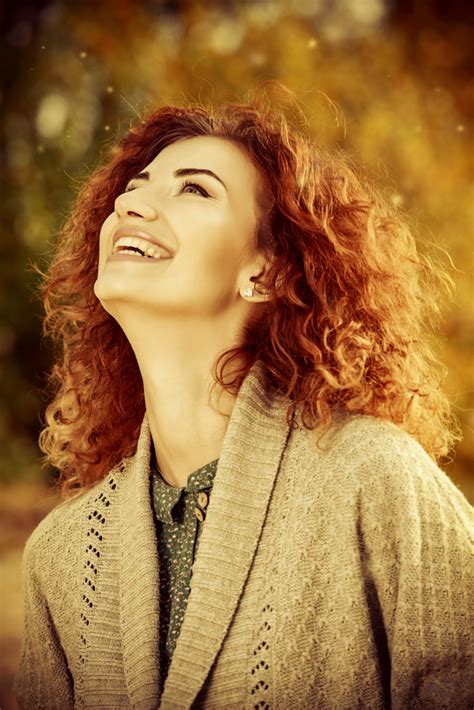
{"points": [[121, 256], [137, 250], [129, 255]]}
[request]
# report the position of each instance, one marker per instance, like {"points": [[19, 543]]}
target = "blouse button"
{"points": [[199, 514], [202, 499]]}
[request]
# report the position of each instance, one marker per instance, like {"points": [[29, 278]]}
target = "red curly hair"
{"points": [[350, 322]]}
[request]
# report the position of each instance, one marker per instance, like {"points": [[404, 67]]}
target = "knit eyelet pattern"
{"points": [[96, 520]]}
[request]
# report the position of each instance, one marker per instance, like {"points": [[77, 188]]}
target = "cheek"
{"points": [[106, 228], [218, 255], [105, 235], [212, 238]]}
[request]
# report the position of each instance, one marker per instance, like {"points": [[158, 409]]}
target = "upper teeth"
{"points": [[143, 244]]}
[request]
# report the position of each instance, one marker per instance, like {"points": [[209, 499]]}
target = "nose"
{"points": [[134, 204]]}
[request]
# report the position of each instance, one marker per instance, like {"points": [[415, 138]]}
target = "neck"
{"points": [[187, 419]]}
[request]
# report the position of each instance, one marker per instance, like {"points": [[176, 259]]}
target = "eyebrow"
{"points": [[181, 172]]}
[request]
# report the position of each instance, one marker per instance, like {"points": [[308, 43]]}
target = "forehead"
{"points": [[222, 156]]}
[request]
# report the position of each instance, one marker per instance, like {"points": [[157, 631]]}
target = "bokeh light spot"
{"points": [[52, 115], [227, 36]]}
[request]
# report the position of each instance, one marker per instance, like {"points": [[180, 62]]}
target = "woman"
{"points": [[281, 537]]}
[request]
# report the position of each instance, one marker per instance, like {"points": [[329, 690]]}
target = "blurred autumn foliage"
{"points": [[388, 82]]}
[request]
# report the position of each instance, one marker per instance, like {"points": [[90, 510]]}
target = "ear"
{"points": [[254, 277]]}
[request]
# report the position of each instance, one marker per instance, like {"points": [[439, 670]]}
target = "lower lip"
{"points": [[131, 257]]}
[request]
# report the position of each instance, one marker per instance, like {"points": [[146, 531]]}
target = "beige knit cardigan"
{"points": [[335, 579]]}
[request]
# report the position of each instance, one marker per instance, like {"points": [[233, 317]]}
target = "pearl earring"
{"points": [[248, 291]]}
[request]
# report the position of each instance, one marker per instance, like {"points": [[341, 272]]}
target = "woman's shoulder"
{"points": [[60, 527], [381, 461], [354, 438], [361, 432]]}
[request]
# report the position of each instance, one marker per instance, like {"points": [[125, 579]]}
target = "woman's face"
{"points": [[209, 228]]}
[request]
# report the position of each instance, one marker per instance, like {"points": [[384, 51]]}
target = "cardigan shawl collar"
{"points": [[241, 492]]}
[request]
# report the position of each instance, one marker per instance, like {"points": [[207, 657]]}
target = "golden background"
{"points": [[389, 82]]}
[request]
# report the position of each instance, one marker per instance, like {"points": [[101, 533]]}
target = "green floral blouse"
{"points": [[179, 515]]}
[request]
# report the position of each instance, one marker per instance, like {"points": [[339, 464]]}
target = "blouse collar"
{"points": [[166, 496]]}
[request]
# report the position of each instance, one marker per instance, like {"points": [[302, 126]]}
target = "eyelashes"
{"points": [[182, 186], [196, 185]]}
